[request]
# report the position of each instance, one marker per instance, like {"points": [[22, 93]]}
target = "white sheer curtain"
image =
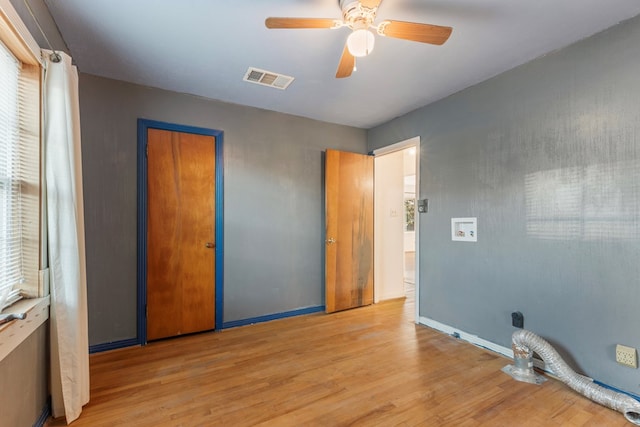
{"points": [[65, 219]]}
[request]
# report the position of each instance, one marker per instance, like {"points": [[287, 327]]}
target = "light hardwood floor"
{"points": [[370, 366]]}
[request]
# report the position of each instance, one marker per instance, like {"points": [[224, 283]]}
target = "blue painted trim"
{"points": [[142, 232], [113, 345], [219, 230], [267, 317], [635, 396], [44, 415], [143, 126]]}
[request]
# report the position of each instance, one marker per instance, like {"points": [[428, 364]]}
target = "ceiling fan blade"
{"points": [[301, 23], [424, 33], [371, 4], [347, 62]]}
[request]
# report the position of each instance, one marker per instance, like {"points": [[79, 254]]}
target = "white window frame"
{"points": [[15, 35]]}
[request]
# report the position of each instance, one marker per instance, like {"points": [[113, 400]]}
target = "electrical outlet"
{"points": [[626, 356]]}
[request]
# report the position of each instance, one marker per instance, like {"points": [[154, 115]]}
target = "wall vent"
{"points": [[267, 78]]}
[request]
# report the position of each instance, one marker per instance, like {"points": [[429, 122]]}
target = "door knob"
{"points": [[209, 245], [331, 240]]}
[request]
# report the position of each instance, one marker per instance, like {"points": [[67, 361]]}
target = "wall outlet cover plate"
{"points": [[626, 356]]}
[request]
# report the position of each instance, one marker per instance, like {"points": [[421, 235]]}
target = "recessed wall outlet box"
{"points": [[464, 229], [626, 356], [517, 319]]}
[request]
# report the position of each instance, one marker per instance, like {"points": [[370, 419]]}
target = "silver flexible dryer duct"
{"points": [[526, 342]]}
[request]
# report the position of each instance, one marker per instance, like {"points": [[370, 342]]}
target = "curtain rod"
{"points": [[55, 56]]}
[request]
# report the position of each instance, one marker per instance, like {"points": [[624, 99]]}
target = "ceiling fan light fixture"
{"points": [[360, 42]]}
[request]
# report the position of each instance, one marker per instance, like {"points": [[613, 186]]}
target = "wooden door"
{"points": [[349, 230], [180, 233]]}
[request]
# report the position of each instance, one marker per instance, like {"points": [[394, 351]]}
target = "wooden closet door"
{"points": [[180, 233]]}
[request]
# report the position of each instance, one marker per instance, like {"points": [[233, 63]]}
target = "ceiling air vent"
{"points": [[267, 78]]}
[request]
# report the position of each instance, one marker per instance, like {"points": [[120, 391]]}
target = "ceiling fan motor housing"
{"points": [[356, 15]]}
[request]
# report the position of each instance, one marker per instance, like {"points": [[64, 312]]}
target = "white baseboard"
{"points": [[473, 339], [477, 341], [388, 297]]}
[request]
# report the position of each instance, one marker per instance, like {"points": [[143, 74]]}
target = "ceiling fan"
{"points": [[359, 16]]}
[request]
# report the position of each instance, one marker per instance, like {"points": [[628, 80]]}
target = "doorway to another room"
{"points": [[409, 238], [396, 221]]}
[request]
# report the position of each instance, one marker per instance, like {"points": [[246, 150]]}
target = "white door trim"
{"points": [[407, 143]]}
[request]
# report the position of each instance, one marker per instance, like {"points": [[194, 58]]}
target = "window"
{"points": [[409, 213], [20, 201], [19, 178]]}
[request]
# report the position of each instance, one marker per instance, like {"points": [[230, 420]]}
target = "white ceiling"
{"points": [[204, 47]]}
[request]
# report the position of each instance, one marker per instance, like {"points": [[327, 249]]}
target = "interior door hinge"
{"points": [[146, 150]]}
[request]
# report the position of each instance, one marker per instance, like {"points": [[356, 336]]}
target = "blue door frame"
{"points": [[143, 126]]}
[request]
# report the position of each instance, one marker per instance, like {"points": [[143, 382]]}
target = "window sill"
{"points": [[16, 331]]}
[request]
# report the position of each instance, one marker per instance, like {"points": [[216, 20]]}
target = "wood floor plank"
{"points": [[370, 366]]}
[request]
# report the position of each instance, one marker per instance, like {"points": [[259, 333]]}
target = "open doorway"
{"points": [[396, 225], [409, 237]]}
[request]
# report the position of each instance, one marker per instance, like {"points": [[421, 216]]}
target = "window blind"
{"points": [[19, 179]]}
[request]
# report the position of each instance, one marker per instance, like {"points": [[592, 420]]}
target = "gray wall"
{"points": [[273, 207], [547, 156], [46, 21], [23, 381]]}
